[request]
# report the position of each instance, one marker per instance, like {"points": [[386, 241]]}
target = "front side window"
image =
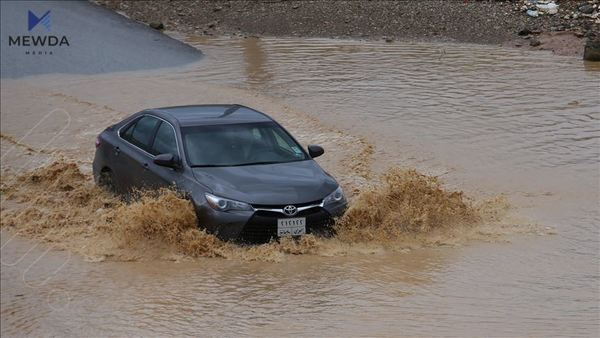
{"points": [[141, 132], [240, 144], [281, 141], [165, 142]]}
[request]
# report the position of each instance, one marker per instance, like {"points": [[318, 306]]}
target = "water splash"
{"points": [[57, 203]]}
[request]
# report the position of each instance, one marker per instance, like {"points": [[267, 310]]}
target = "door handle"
{"points": [[117, 150], [145, 166]]}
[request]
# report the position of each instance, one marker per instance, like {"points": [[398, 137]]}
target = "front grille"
{"points": [[262, 226], [281, 206]]}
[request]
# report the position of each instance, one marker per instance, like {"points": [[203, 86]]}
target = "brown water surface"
{"points": [[488, 120]]}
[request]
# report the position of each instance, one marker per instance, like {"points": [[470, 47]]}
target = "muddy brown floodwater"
{"points": [[499, 124]]}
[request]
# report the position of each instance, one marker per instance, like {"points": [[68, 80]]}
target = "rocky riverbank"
{"points": [[487, 22]]}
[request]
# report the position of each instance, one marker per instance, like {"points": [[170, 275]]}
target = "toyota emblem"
{"points": [[290, 210]]}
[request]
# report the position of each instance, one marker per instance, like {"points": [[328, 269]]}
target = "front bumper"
{"points": [[260, 226]]}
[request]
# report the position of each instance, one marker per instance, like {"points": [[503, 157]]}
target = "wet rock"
{"points": [[296, 6], [586, 9], [534, 42], [217, 9], [388, 39], [524, 31], [157, 25], [592, 50]]}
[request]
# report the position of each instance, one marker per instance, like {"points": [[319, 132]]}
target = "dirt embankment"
{"points": [[486, 22]]}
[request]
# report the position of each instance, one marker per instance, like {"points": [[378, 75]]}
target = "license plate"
{"points": [[291, 226]]}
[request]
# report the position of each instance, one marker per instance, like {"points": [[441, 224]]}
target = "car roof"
{"points": [[211, 114]]}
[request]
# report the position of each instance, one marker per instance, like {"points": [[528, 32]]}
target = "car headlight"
{"points": [[335, 197], [224, 204]]}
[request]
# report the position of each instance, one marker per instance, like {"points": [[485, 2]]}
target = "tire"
{"points": [[326, 232], [106, 181]]}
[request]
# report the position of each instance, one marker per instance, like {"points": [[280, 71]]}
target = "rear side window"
{"points": [[141, 132], [164, 142]]}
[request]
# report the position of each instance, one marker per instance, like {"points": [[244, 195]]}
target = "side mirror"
{"points": [[315, 150], [167, 160]]}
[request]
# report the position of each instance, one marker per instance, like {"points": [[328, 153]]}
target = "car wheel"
{"points": [[106, 180], [326, 232]]}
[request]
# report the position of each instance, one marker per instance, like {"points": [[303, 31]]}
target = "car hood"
{"points": [[272, 184]]}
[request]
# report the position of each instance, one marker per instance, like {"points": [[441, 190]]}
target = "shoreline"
{"points": [[502, 23]]}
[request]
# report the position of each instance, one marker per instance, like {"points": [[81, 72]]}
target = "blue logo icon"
{"points": [[33, 20]]}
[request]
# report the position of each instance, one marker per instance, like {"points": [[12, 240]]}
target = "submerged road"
{"points": [[45, 37]]}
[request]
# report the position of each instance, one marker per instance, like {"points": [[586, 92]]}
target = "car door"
{"points": [[164, 142], [134, 156]]}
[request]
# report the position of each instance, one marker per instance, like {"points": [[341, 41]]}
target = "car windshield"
{"points": [[239, 144]]}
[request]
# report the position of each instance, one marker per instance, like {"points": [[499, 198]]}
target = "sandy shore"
{"points": [[489, 22]]}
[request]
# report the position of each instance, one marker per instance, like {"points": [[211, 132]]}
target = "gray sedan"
{"points": [[246, 176]]}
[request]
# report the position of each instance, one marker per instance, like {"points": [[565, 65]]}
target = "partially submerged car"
{"points": [[246, 176]]}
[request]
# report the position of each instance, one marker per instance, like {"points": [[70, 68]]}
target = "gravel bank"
{"points": [[486, 22]]}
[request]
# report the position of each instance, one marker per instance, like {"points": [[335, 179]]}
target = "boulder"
{"points": [[592, 50], [586, 9], [157, 25], [524, 31]]}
